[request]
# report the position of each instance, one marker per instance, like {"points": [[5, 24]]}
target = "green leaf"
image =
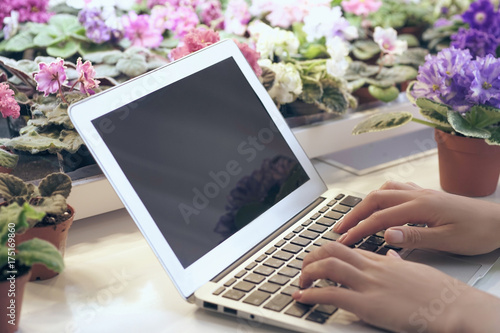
{"points": [[7, 159], [65, 23], [64, 50], [481, 116], [311, 91], [133, 65], [333, 100], [462, 126], [11, 187], [494, 139], [358, 70], [298, 30], [411, 40], [381, 122], [35, 143], [20, 42], [55, 183], [23, 217], [106, 70], [71, 140], [414, 56], [37, 251], [54, 205], [384, 94], [109, 57], [59, 116], [435, 117], [47, 38], [365, 49], [314, 51], [390, 76], [428, 105]]}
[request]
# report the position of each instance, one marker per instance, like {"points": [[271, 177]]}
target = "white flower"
{"points": [[287, 83], [337, 65], [387, 40], [11, 24], [273, 41], [324, 22]]}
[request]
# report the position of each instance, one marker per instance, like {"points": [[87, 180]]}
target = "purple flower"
{"points": [[480, 15], [485, 86], [211, 14], [479, 42], [95, 27], [51, 77], [29, 10], [140, 30]]}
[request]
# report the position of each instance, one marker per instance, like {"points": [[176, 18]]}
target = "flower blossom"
{"points": [[195, 40], [28, 11], [480, 43], [485, 86], [480, 15], [251, 56], [361, 7], [211, 14], [272, 42], [86, 74], [140, 30], [287, 84], [387, 40], [328, 23], [338, 50], [180, 20], [8, 105], [51, 77], [11, 25], [101, 24], [236, 17]]}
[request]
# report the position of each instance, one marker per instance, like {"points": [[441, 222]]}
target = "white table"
{"points": [[113, 282]]}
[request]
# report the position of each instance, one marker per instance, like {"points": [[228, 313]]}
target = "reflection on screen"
{"points": [[203, 156]]}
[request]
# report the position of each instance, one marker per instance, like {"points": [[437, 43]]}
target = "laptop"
{"points": [[222, 191]]}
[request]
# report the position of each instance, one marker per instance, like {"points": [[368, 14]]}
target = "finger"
{"points": [[408, 212], [343, 298], [336, 250], [375, 201], [392, 253], [394, 185], [413, 237], [333, 269]]}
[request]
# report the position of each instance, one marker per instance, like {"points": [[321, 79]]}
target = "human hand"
{"points": [[394, 294], [455, 224]]}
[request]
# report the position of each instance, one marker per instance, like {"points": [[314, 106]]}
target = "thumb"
{"points": [[412, 237]]}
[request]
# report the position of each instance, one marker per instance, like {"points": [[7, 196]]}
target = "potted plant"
{"points": [[460, 97], [48, 197], [17, 258]]}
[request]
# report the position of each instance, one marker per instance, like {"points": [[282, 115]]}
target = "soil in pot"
{"points": [[12, 291], [53, 229]]}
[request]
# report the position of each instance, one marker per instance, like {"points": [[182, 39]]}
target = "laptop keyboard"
{"points": [[272, 278]]}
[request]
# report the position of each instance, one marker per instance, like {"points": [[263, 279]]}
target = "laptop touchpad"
{"points": [[460, 269]]}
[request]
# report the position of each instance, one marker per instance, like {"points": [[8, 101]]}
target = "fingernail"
{"points": [[337, 226], [342, 237], [393, 253], [394, 236], [297, 295]]}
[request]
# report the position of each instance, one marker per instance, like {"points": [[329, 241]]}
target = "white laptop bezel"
{"points": [[187, 280]]}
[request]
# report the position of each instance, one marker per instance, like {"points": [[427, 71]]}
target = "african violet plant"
{"points": [[20, 257]]}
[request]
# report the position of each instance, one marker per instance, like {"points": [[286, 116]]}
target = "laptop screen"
{"points": [[204, 157]]}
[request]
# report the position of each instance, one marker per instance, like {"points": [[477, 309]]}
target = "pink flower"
{"points": [[141, 31], [236, 17], [251, 55], [51, 77], [182, 20], [361, 7], [195, 40], [211, 14], [8, 105], [86, 75], [387, 40]]}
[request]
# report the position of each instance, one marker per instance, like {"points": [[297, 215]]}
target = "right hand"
{"points": [[455, 224]]}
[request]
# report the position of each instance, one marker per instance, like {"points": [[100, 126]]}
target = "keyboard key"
{"points": [[317, 317], [289, 271], [375, 240], [311, 248], [326, 221], [325, 283], [244, 286], [297, 310], [289, 290], [234, 294], [261, 258], [331, 203], [341, 208], [330, 235], [301, 256], [274, 263], [264, 270], [368, 247], [392, 247], [256, 298], [298, 229], [251, 266], [280, 243], [279, 279], [340, 196], [240, 274], [295, 263], [334, 215], [292, 248], [289, 236], [321, 241], [380, 234], [282, 255], [295, 283], [254, 278], [350, 201], [270, 250], [307, 223], [301, 241], [309, 234], [317, 228], [383, 250], [278, 302], [324, 209], [230, 282], [328, 309], [315, 216], [270, 287], [219, 291]]}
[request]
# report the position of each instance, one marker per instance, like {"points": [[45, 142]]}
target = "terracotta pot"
{"points": [[11, 304], [364, 96], [55, 234], [467, 166], [5, 170]]}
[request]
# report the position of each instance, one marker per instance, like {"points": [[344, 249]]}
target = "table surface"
{"points": [[114, 283]]}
